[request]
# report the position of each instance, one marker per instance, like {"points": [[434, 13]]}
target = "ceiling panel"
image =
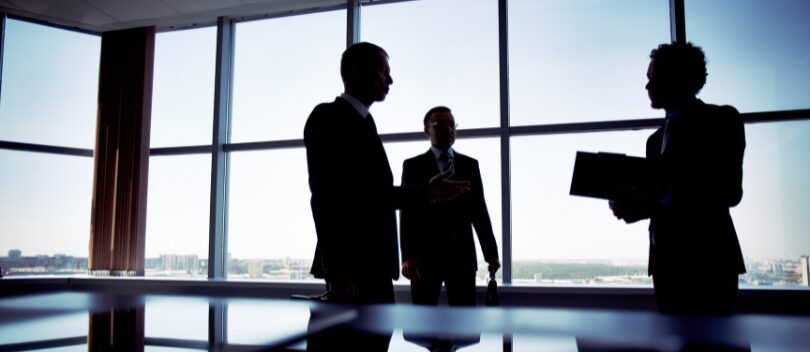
{"points": [[108, 15], [128, 10]]}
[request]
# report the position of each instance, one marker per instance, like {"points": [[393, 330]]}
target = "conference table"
{"points": [[91, 321]]}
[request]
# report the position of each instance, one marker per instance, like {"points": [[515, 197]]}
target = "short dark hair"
{"points": [[432, 111], [685, 62], [358, 54]]}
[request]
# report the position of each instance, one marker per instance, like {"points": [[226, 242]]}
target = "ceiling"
{"points": [[109, 15]]}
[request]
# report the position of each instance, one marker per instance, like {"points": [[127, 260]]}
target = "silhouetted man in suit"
{"points": [[353, 197], [697, 157], [437, 239]]}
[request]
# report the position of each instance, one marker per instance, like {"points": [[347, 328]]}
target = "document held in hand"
{"points": [[611, 176]]}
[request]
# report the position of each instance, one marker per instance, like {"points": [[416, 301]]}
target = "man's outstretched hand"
{"points": [[442, 188]]}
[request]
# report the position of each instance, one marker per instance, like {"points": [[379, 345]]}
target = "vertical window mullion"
{"points": [[218, 244], [506, 187]]}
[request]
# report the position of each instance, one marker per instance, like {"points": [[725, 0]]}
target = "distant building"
{"points": [[256, 269], [14, 254], [190, 263], [805, 269]]}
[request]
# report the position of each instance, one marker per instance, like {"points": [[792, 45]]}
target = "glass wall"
{"points": [[177, 213], [49, 93], [569, 62], [441, 52], [558, 238], [183, 93], [575, 61], [757, 52], [178, 199], [50, 85], [283, 67]]}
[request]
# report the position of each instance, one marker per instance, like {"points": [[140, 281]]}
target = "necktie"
{"points": [[445, 161]]}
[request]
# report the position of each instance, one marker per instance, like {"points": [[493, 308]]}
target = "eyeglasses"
{"points": [[450, 124]]}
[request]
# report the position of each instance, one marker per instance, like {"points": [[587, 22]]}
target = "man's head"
{"points": [[365, 72], [440, 126], [677, 72]]}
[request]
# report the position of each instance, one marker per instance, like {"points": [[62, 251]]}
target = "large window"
{"points": [[757, 52], [183, 94], [178, 200], [50, 86], [569, 62], [442, 52], [579, 60], [177, 213], [45, 202], [771, 219], [49, 94], [270, 230], [283, 67], [557, 238]]}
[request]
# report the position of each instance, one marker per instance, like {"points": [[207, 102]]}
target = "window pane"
{"points": [[771, 219], [756, 52], [177, 213], [283, 67], [183, 95], [487, 152], [50, 85], [271, 234], [45, 203], [442, 52], [557, 238], [580, 60]]}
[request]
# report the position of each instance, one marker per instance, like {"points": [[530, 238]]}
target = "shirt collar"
{"points": [[356, 104], [676, 115], [437, 152]]}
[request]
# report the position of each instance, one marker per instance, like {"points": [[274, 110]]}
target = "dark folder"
{"points": [[610, 176]]}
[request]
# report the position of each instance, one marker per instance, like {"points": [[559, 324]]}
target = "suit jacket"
{"points": [[353, 197], [700, 173], [439, 236]]}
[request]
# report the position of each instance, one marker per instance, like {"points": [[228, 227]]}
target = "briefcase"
{"points": [[492, 298]]}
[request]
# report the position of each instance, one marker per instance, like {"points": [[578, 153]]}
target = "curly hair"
{"points": [[685, 63]]}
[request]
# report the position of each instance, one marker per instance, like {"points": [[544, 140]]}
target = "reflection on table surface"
{"points": [[68, 321]]}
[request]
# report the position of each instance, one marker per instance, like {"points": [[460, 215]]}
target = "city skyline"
{"points": [[781, 272]]}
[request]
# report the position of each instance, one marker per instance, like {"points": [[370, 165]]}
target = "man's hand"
{"points": [[410, 269], [629, 210], [494, 266], [444, 189]]}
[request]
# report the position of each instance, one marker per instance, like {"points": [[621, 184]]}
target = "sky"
{"points": [[569, 61]]}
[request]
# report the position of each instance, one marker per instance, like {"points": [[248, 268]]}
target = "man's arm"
{"points": [[481, 220], [411, 224]]}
